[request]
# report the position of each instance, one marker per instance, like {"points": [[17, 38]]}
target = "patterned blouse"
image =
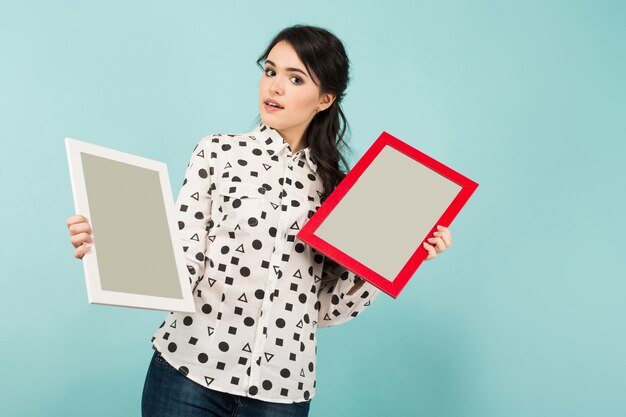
{"points": [[260, 293]]}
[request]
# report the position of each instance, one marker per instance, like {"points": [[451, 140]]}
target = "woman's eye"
{"points": [[267, 71], [298, 80]]}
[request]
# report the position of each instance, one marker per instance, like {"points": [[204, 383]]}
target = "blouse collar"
{"points": [[275, 143]]}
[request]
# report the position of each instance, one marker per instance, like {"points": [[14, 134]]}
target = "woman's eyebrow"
{"points": [[288, 68]]}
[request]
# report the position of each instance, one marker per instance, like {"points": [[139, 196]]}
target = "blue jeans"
{"points": [[168, 393]]}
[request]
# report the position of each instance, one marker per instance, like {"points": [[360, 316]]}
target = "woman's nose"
{"points": [[275, 87]]}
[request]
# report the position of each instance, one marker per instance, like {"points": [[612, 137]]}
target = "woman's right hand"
{"points": [[80, 234]]}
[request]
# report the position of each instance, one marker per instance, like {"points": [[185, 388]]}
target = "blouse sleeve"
{"points": [[336, 306], [193, 208]]}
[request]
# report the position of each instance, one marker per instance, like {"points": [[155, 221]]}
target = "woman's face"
{"points": [[286, 82]]}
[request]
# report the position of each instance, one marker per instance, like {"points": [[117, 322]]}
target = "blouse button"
{"points": [[253, 222]]}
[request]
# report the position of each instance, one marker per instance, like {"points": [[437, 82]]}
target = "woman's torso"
{"points": [[254, 330]]}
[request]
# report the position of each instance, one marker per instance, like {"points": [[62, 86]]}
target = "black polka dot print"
{"points": [[260, 292]]}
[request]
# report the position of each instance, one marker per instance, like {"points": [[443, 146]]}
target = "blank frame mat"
{"points": [[381, 224], [130, 228]]}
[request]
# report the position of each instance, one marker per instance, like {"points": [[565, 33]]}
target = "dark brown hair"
{"points": [[324, 55]]}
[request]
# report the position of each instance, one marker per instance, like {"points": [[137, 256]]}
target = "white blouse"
{"points": [[260, 292]]}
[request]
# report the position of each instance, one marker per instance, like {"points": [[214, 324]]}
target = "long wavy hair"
{"points": [[324, 55]]}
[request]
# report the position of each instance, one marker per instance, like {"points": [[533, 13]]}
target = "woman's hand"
{"points": [[80, 235], [441, 242]]}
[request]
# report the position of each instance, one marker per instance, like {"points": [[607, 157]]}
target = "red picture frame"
{"points": [[390, 285]]}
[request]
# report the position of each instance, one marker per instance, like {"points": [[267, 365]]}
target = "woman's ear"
{"points": [[326, 101]]}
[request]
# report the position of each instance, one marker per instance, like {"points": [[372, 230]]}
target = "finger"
{"points": [[431, 251], [75, 219], [81, 251], [438, 242], [443, 229], [80, 227], [443, 244], [447, 240], [445, 234], [80, 238]]}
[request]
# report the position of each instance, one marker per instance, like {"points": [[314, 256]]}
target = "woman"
{"points": [[260, 293]]}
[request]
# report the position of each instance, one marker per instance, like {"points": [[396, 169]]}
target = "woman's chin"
{"points": [[269, 119]]}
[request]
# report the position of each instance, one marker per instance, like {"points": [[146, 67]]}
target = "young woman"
{"points": [[260, 293]]}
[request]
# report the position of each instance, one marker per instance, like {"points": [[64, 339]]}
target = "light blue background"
{"points": [[523, 316]]}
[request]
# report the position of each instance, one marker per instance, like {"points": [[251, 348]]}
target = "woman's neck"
{"points": [[296, 140]]}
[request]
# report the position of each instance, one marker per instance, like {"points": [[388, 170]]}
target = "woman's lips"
{"points": [[270, 108]]}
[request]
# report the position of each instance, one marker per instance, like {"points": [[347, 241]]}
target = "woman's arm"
{"points": [[193, 208], [342, 294]]}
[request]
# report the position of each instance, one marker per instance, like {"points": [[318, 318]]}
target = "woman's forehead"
{"points": [[283, 55]]}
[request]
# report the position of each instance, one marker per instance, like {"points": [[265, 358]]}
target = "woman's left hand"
{"points": [[441, 242]]}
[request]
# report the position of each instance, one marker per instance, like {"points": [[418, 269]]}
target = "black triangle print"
{"points": [[195, 196], [228, 165], [326, 317], [302, 372], [185, 248], [319, 194], [274, 205], [300, 324], [201, 154], [212, 238], [243, 298], [317, 279], [276, 269], [266, 166], [367, 304], [195, 237], [208, 380], [211, 282], [211, 330], [246, 348], [240, 249], [295, 226], [237, 227], [298, 274], [173, 325], [268, 356], [314, 322]]}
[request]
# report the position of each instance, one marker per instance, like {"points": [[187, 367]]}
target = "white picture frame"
{"points": [[137, 258]]}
